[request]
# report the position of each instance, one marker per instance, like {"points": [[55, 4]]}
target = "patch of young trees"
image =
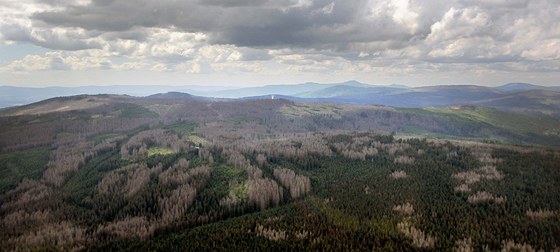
{"points": [[137, 146]]}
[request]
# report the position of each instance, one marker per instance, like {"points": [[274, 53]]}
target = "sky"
{"points": [[258, 42]]}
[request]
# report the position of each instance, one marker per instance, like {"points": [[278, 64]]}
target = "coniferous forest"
{"points": [[172, 172]]}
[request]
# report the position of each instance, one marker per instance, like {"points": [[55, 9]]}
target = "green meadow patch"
{"points": [[159, 151]]}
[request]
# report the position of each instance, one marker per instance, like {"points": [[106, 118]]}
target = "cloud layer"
{"points": [[391, 37]]}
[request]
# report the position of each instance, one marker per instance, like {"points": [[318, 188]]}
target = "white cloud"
{"points": [[60, 61], [544, 50], [29, 63], [404, 15], [460, 23], [464, 49]]}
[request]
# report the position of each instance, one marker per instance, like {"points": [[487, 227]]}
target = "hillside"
{"points": [[179, 172], [537, 102]]}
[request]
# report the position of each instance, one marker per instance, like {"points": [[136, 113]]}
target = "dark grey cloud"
{"points": [[104, 15], [249, 23], [132, 34], [235, 3]]}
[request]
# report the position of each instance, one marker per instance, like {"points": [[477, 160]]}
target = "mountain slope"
{"points": [[524, 126], [539, 102]]}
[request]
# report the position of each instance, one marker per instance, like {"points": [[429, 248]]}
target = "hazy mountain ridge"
{"points": [[531, 101], [348, 91], [525, 86], [517, 97]]}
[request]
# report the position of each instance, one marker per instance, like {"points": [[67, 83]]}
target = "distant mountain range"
{"points": [[516, 97]]}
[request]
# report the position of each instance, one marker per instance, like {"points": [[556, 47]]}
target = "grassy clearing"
{"points": [[130, 110], [159, 151], [187, 129], [224, 180], [197, 140]]}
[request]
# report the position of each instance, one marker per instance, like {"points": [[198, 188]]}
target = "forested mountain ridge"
{"points": [[513, 97], [179, 172]]}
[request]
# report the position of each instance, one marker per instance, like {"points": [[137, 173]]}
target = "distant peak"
{"points": [[354, 83], [519, 86]]}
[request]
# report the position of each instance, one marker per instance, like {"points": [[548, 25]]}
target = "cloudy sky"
{"points": [[256, 42]]}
